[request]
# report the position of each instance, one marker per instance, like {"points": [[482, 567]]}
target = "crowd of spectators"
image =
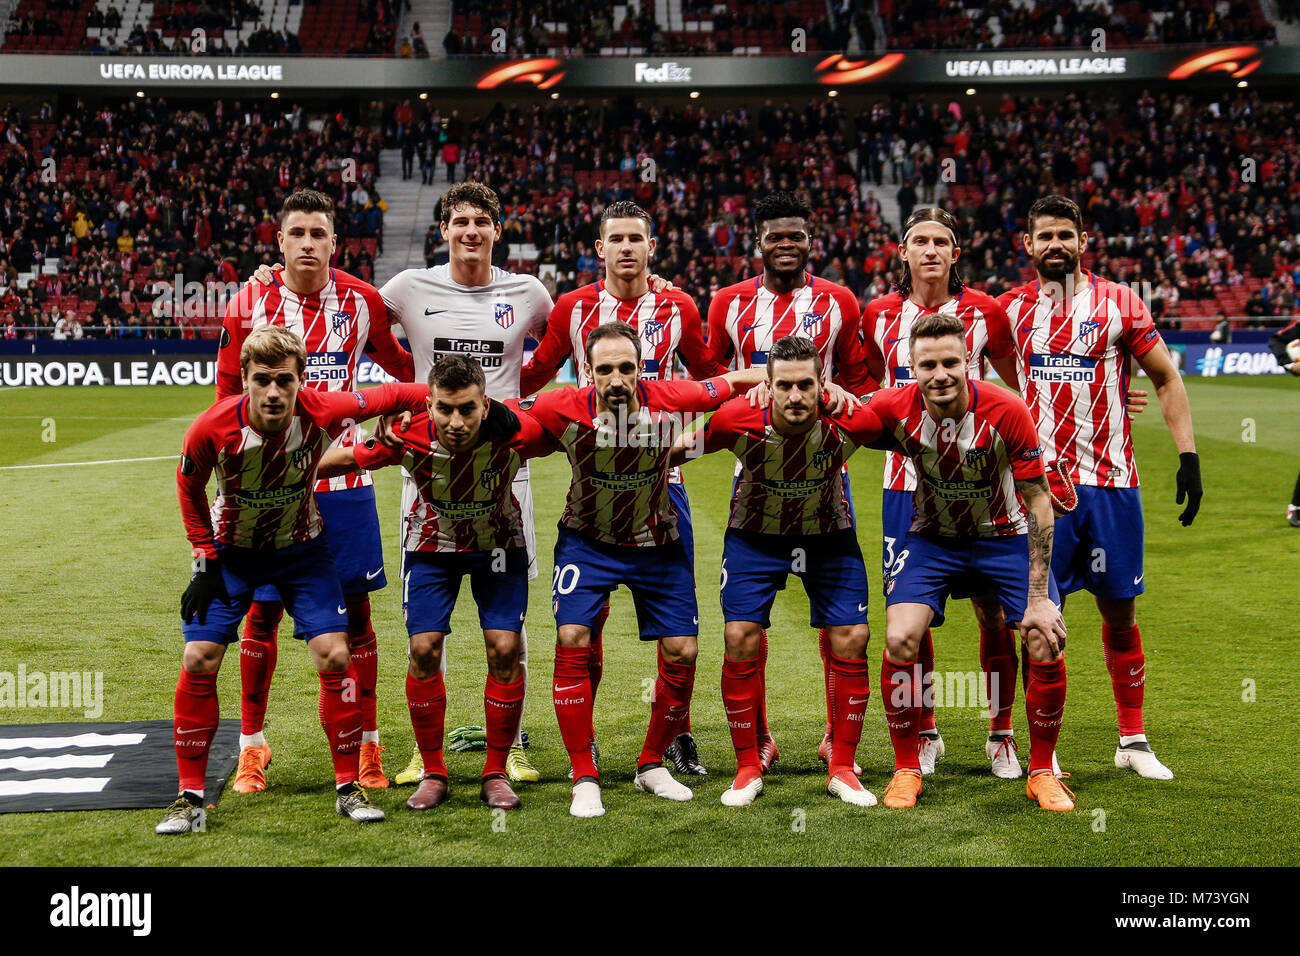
{"points": [[367, 28], [1011, 24], [1197, 195], [143, 205], [1167, 199]]}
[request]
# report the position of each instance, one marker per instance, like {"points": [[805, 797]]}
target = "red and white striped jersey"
{"points": [[463, 499], [338, 324], [788, 484], [968, 467], [667, 322], [619, 490], [263, 496], [888, 322], [745, 319], [1076, 369]]}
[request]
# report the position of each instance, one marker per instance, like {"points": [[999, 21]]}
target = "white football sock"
{"points": [[252, 740], [370, 736]]}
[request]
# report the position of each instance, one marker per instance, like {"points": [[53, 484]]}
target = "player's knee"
{"points": [[334, 657], [742, 640], [988, 613], [902, 645], [201, 660], [426, 655], [679, 650], [573, 635], [849, 641], [1117, 613], [502, 651]]}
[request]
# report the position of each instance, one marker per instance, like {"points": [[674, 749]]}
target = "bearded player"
{"points": [[668, 325], [747, 318], [620, 527], [263, 529], [977, 457], [339, 318], [1076, 335], [463, 453], [789, 513]]}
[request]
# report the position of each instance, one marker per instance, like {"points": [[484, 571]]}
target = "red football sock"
{"points": [[900, 689], [503, 705], [1045, 705], [824, 648], [1024, 666], [998, 661], [668, 708], [850, 686], [1127, 663], [740, 689], [925, 657], [761, 727], [596, 653], [365, 658], [195, 716], [571, 692], [257, 656], [427, 702], [340, 715]]}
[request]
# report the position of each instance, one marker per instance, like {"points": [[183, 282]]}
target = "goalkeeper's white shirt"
{"points": [[490, 322]]}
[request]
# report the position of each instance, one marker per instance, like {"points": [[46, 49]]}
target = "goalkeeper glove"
{"points": [[1189, 486], [465, 739], [206, 586]]}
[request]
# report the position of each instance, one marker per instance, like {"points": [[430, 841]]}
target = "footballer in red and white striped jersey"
{"points": [[465, 500], [788, 484], [1076, 363], [667, 322], [886, 325], [745, 319], [339, 323], [969, 466], [263, 498], [619, 491]]}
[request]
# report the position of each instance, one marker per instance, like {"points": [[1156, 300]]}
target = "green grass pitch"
{"points": [[94, 561]]}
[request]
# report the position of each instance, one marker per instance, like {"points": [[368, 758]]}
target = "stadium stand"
{"points": [[95, 243], [1014, 24], [1159, 179], [228, 27]]}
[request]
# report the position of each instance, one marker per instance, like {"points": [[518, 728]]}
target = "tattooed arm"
{"points": [[1042, 620]]}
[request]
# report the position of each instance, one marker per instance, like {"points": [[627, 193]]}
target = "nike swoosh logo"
{"points": [[342, 609], [354, 730], [1041, 714], [1134, 673], [892, 341], [741, 711], [854, 703], [1025, 329], [570, 687], [748, 328], [862, 607], [196, 730], [1138, 579], [371, 575], [434, 311], [695, 620]]}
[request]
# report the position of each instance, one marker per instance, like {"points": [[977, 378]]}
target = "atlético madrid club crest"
{"points": [[339, 322], [652, 330], [1088, 329], [505, 314], [812, 322]]}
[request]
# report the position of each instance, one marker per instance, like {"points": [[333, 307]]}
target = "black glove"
{"points": [[1189, 485], [205, 587]]}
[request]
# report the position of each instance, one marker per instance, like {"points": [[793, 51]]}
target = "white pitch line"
{"points": [[70, 464]]}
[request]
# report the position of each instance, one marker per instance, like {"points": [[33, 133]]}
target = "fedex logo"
{"points": [[327, 367]]}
